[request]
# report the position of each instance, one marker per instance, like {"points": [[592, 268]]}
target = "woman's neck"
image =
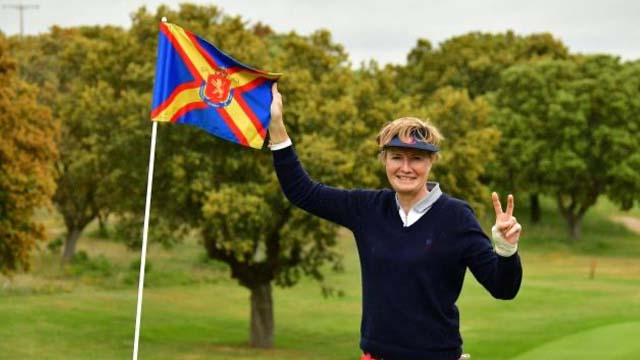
{"points": [[407, 200]]}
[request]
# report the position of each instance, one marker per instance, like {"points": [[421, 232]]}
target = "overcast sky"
{"points": [[376, 29]]}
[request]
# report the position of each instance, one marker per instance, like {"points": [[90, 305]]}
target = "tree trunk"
{"points": [[574, 227], [572, 213], [535, 208], [102, 223], [261, 316], [70, 244]]}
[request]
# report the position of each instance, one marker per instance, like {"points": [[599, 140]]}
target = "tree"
{"points": [[91, 88], [569, 129], [27, 152], [86, 77]]}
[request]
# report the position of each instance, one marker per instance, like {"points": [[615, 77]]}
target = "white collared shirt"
{"points": [[421, 207]]}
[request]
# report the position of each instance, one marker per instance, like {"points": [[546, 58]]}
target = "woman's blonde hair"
{"points": [[406, 128]]}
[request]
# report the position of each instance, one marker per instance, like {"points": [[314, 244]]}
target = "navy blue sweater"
{"points": [[411, 276]]}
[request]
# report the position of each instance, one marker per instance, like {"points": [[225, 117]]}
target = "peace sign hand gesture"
{"points": [[506, 223]]}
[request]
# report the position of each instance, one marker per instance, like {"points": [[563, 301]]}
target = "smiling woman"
{"points": [[414, 242], [409, 147], [407, 171]]}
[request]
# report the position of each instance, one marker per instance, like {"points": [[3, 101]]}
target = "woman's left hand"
{"points": [[277, 130], [506, 223]]}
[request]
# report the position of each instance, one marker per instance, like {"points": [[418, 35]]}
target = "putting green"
{"points": [[612, 342]]}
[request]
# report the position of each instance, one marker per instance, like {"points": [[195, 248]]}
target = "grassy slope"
{"points": [[193, 311], [613, 342]]}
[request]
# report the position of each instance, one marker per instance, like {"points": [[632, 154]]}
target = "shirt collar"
{"points": [[426, 202]]}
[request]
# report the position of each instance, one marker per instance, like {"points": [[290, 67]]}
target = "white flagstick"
{"points": [[145, 231]]}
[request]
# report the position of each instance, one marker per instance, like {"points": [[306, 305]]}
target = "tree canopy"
{"points": [[27, 152], [473, 61]]}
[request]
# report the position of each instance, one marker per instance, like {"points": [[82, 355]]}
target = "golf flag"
{"points": [[199, 85]]}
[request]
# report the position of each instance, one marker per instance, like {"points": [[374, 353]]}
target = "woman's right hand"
{"points": [[506, 223], [277, 131]]}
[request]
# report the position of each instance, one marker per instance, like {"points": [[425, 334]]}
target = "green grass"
{"points": [[84, 324], [192, 310], [614, 342]]}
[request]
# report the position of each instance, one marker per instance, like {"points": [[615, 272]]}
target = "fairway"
{"points": [[611, 342]]}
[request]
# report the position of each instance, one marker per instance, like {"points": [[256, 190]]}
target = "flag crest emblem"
{"points": [[216, 90], [199, 85]]}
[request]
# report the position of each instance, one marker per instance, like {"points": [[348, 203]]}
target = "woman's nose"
{"points": [[405, 165]]}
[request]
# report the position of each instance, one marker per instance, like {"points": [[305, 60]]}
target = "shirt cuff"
{"points": [[501, 245], [281, 145]]}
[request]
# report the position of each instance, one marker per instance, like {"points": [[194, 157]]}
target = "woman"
{"points": [[414, 242]]}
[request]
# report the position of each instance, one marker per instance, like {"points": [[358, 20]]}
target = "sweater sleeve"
{"points": [[501, 276], [336, 205]]}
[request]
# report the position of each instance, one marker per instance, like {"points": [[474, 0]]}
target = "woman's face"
{"points": [[407, 170]]}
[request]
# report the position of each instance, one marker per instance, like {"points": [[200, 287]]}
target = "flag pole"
{"points": [[145, 233]]}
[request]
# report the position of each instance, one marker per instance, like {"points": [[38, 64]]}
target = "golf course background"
{"points": [[521, 113], [193, 310]]}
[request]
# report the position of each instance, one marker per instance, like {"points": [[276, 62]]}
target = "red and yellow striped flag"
{"points": [[197, 84]]}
